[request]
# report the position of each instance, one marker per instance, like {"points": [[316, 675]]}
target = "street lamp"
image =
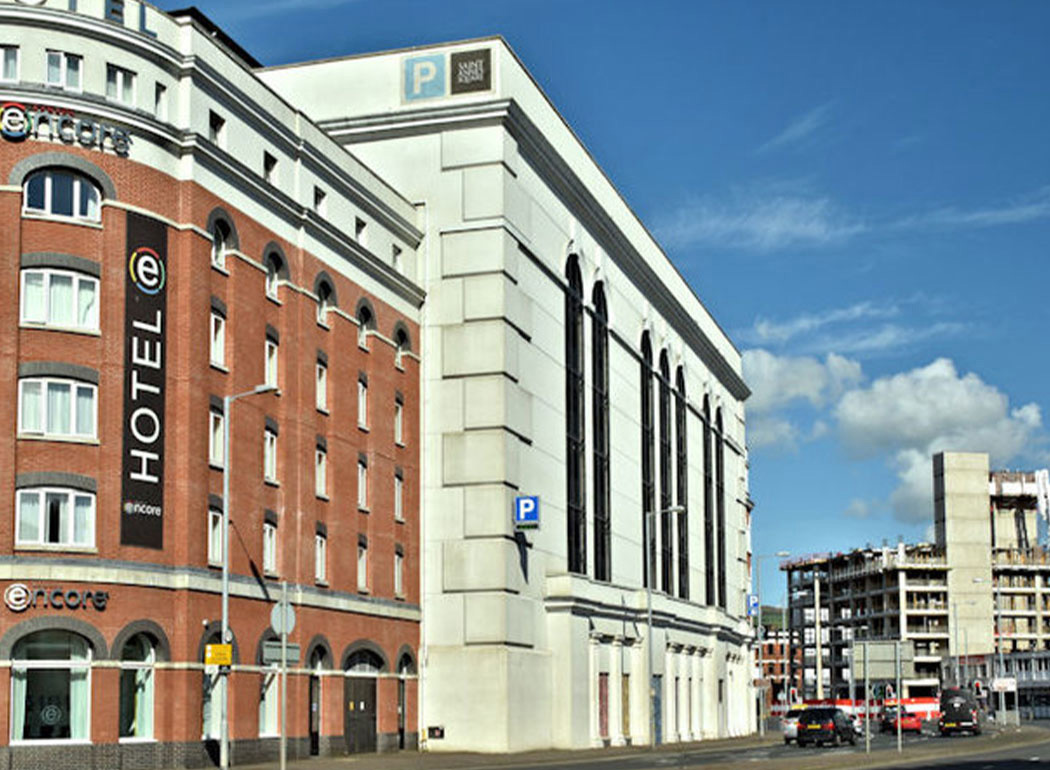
{"points": [[650, 578], [758, 631], [998, 640], [227, 403]]}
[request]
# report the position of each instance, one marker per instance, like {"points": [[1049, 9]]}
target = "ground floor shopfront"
{"points": [[105, 675]]}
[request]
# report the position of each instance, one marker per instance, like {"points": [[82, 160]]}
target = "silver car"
{"points": [[789, 725]]}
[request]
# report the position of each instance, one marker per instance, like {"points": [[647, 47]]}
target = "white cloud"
{"points": [[776, 381], [1025, 209], [858, 509], [757, 221], [766, 331], [245, 11], [883, 337], [769, 431], [800, 129]]}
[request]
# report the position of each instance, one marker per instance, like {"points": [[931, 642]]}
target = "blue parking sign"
{"points": [[527, 512], [752, 605]]}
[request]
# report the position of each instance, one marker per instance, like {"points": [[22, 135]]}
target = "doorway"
{"points": [[314, 705], [359, 724]]}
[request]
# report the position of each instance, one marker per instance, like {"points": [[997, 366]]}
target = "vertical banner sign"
{"points": [[145, 305]]}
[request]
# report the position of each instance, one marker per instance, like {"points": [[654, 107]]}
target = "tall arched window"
{"points": [[666, 516], [404, 345], [274, 267], [720, 504], [682, 487], [137, 661], [600, 430], [575, 417], [365, 321], [51, 687], [325, 301], [648, 485], [59, 192], [220, 235], [709, 511], [211, 699]]}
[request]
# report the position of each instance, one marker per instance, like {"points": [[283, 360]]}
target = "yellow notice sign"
{"points": [[218, 654]]}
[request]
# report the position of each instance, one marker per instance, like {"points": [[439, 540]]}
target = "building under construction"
{"points": [[984, 581]]}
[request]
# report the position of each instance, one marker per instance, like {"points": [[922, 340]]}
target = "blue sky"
{"points": [[860, 192]]}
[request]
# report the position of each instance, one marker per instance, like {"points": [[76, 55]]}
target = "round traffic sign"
{"points": [[282, 618]]}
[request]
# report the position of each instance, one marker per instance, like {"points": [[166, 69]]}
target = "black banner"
{"points": [[145, 305]]}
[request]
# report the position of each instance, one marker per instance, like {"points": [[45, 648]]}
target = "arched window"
{"points": [[648, 485], [666, 515], [575, 465], [404, 345], [274, 268], [220, 237], [137, 661], [600, 429], [709, 513], [720, 504], [365, 320], [405, 669], [324, 301], [682, 487], [51, 687], [59, 192]]}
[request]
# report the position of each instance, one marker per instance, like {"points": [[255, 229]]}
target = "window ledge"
{"points": [[220, 269], [363, 428], [62, 220], [215, 565], [399, 519], [400, 444], [56, 547], [363, 348], [363, 509], [323, 410], [137, 740], [321, 497], [54, 742], [272, 483], [215, 466], [221, 367], [60, 439], [400, 597], [271, 574], [274, 299], [324, 325], [45, 327], [322, 583], [364, 590]]}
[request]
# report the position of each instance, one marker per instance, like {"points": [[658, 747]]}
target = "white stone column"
{"points": [[670, 695], [696, 664], [594, 649], [616, 736]]}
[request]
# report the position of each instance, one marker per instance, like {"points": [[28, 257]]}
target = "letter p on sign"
{"points": [[424, 77], [526, 512]]}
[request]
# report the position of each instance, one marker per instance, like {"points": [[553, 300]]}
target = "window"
{"points": [[321, 383], [324, 302], [682, 487], [269, 702], [214, 537], [160, 101], [57, 408], [270, 455], [220, 236], [269, 548], [648, 450], [320, 201], [709, 514], [399, 568], [362, 483], [60, 298], [137, 661], [399, 496], [63, 70], [269, 168], [60, 193], [320, 558], [666, 520], [273, 275], [211, 710], [574, 420], [362, 402], [51, 687], [120, 84], [395, 259], [359, 230], [271, 362], [55, 516], [321, 472], [216, 447], [399, 422], [362, 565], [365, 321], [402, 346], [720, 505], [10, 62], [600, 431], [218, 340], [216, 128]]}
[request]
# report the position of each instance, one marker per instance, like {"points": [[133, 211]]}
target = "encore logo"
{"points": [[19, 597], [146, 270], [19, 122]]}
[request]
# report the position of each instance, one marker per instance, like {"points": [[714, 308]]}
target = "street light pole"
{"points": [[650, 577], [759, 635], [227, 403]]}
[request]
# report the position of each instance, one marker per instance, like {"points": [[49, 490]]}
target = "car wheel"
{"points": [[787, 741], [852, 740]]}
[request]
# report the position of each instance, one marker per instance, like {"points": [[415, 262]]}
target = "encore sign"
{"points": [[145, 308], [19, 597]]}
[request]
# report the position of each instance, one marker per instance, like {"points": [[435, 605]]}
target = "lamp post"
{"points": [[759, 633], [227, 403], [650, 578]]}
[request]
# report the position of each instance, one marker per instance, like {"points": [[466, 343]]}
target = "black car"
{"points": [[959, 713], [825, 725]]}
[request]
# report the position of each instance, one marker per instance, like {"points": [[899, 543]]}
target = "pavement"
{"points": [[767, 752]]}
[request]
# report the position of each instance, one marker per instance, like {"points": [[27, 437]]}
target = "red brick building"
{"points": [[159, 254]]}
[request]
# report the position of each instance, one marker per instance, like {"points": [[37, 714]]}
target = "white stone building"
{"points": [[540, 639]]}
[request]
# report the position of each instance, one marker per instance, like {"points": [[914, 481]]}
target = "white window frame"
{"points": [[270, 455], [362, 566], [42, 540], [321, 473], [399, 423], [121, 78], [320, 558], [399, 497], [362, 485], [216, 448], [362, 404], [48, 274], [149, 667], [270, 363], [214, 538], [63, 81], [269, 702], [42, 431], [79, 180], [321, 386], [269, 553], [65, 664], [273, 278], [217, 340], [399, 576], [3, 63], [160, 101]]}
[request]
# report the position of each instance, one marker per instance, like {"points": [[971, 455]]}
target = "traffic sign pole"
{"points": [[284, 674]]}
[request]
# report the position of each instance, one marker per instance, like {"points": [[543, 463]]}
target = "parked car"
{"points": [[789, 725], [858, 724], [825, 725], [959, 713], [910, 723]]}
